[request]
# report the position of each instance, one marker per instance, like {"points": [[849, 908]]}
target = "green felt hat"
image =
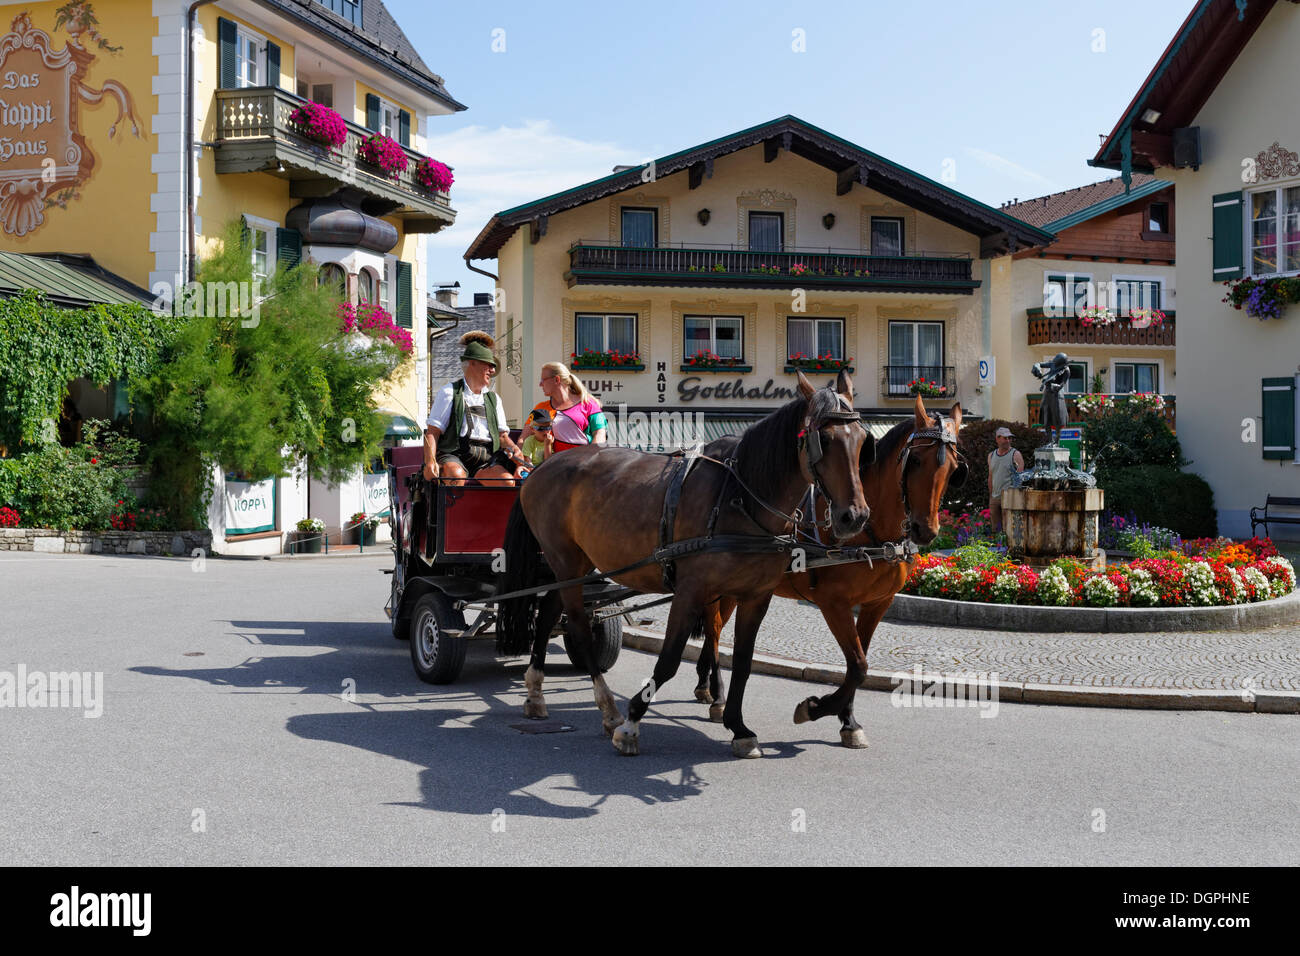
{"points": [[479, 352]]}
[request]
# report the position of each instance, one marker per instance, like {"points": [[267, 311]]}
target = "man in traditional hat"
{"points": [[466, 434]]}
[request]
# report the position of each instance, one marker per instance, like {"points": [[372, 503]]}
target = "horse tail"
{"points": [[517, 616]]}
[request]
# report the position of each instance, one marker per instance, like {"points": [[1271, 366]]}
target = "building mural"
{"points": [[44, 156]]}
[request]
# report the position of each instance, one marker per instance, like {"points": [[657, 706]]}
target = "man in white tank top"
{"points": [[1003, 464]]}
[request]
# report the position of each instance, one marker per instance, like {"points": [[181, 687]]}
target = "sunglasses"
{"points": [[541, 428]]}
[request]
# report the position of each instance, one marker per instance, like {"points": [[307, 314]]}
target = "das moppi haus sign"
{"points": [[43, 154]]}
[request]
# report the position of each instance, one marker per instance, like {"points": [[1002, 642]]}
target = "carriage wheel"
{"points": [[436, 656], [607, 636]]}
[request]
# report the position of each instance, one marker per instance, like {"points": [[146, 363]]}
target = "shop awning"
{"points": [[72, 281], [399, 426]]}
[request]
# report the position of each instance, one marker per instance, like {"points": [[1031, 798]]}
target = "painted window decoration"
{"points": [[1065, 295], [886, 236], [766, 231], [1136, 377], [604, 341], [719, 337], [640, 227], [915, 352], [1275, 231], [813, 339]]}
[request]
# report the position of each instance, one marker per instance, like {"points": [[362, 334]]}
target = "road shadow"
{"points": [[465, 739]]}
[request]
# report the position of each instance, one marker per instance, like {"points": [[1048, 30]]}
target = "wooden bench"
{"points": [[1263, 516]]}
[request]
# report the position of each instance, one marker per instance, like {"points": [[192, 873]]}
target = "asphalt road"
{"points": [[226, 738]]}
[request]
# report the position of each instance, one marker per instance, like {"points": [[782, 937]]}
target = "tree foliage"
{"points": [[1128, 437]]}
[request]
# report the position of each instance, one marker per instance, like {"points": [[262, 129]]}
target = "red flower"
{"points": [[94, 461]]}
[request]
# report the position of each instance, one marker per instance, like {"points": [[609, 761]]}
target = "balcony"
{"points": [[714, 266], [1033, 400], [1068, 330], [253, 134], [896, 380]]}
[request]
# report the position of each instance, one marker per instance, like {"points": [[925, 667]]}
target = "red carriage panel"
{"points": [[472, 521]]}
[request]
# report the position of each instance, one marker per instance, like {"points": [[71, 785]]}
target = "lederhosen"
{"points": [[473, 454]]}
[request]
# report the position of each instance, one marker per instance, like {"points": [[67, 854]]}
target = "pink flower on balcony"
{"points": [[320, 123], [376, 322], [433, 175], [387, 154]]}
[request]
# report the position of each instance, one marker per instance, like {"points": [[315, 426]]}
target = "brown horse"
{"points": [[602, 506], [904, 487]]}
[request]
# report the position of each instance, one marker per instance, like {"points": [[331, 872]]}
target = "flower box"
{"points": [[825, 363], [434, 176], [386, 153], [320, 124], [614, 361]]}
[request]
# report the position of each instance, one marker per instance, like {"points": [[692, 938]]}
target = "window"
{"points": [[349, 10], [766, 230], [605, 333], [1158, 217], [1066, 295], [886, 236], [248, 59], [1275, 231], [1078, 383], [261, 243], [366, 287], [640, 227], [1129, 294], [815, 337], [1136, 377], [332, 274], [384, 283], [719, 334], [915, 351]]}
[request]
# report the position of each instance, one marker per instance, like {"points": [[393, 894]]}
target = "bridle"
{"points": [[924, 438], [810, 444]]}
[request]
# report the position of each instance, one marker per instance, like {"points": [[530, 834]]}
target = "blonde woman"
{"points": [[575, 413]]}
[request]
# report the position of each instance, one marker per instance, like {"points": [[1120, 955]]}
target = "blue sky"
{"points": [[1011, 95]]}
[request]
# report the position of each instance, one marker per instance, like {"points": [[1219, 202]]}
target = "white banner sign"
{"points": [[250, 506], [988, 370], [374, 492]]}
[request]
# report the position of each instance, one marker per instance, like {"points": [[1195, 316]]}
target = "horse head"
{"points": [[831, 443], [928, 463]]}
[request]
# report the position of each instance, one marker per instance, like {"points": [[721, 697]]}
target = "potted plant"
{"points": [[926, 388], [311, 531], [320, 124], [433, 175], [1096, 315], [818, 363], [1144, 318], [363, 528], [590, 358], [387, 154]]}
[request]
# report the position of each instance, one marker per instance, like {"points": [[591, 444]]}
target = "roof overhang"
{"points": [[850, 163]]}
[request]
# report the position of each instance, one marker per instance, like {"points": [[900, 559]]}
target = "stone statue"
{"points": [[1055, 376]]}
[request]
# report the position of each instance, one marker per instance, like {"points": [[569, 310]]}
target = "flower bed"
{"points": [[1235, 573]]}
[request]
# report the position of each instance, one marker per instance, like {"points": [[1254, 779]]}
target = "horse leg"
{"points": [[548, 612], [749, 616], [584, 651], [684, 618], [717, 689], [869, 617], [839, 616], [708, 655]]}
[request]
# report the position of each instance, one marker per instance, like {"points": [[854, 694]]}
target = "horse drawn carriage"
{"points": [[447, 544]]}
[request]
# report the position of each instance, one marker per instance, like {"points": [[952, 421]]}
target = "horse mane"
{"points": [[888, 446], [768, 453]]}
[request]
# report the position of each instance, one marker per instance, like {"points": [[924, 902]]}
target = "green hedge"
{"points": [[1124, 438], [1164, 497]]}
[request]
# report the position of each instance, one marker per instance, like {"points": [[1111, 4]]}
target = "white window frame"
{"points": [[844, 345], [1089, 370], [897, 390], [388, 106], [1072, 279], [267, 226], [1158, 363], [388, 285], [244, 35], [902, 234], [713, 334], [1248, 230], [604, 328], [1112, 297], [376, 299]]}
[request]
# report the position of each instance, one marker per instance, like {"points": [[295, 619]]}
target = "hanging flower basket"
{"points": [[386, 153], [1263, 298], [433, 175]]}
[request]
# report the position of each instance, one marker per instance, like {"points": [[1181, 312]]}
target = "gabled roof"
{"points": [[802, 139], [71, 281], [378, 39], [1070, 207], [1193, 63]]}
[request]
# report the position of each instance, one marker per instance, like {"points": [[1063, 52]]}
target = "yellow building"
{"points": [[778, 240], [117, 143]]}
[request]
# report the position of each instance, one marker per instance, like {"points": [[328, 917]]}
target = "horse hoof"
{"points": [[610, 728], [627, 744], [746, 747], [703, 696], [802, 714], [855, 739], [716, 711], [535, 709]]}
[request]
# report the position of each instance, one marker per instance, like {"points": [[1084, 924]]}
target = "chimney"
{"points": [[482, 298], [447, 294]]}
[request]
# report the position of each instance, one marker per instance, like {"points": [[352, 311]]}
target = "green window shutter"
{"points": [[288, 247], [404, 294], [1227, 236], [1279, 418], [272, 64], [227, 62], [372, 111], [404, 128]]}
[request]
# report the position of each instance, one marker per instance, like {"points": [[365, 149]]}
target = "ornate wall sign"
{"points": [[1276, 162], [43, 154]]}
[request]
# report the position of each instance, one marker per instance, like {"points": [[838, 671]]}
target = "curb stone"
{"points": [[1017, 692]]}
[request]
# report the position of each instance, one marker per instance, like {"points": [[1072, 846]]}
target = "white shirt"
{"points": [[440, 414]]}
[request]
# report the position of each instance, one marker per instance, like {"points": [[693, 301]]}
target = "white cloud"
{"points": [[507, 166], [1012, 170]]}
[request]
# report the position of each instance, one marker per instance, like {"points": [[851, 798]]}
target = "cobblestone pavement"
{"points": [[1267, 659]]}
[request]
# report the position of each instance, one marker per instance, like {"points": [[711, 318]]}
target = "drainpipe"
{"points": [[187, 136], [473, 268]]}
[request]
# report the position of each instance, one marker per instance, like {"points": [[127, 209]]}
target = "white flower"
{"points": [[1100, 591], [1006, 589], [1054, 587], [1142, 591], [933, 579]]}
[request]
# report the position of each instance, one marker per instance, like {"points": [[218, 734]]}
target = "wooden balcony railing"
{"points": [[1068, 330], [1034, 399], [253, 133], [896, 380], [713, 265]]}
